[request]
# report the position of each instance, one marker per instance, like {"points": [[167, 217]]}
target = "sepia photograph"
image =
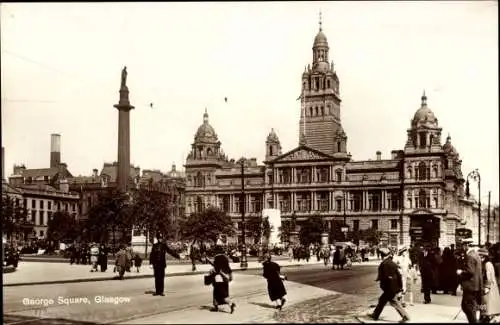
{"points": [[250, 162]]}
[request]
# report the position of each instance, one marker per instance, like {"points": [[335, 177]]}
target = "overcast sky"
{"points": [[61, 65]]}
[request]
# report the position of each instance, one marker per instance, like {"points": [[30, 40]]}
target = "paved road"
{"points": [[182, 293]]}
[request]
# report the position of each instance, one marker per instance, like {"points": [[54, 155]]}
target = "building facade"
{"points": [[413, 196]]}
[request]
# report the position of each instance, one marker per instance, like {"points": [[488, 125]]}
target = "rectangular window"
{"points": [[49, 215], [49, 205], [355, 225], [338, 205], [33, 203], [41, 204], [375, 224], [394, 224], [25, 203], [41, 233]]}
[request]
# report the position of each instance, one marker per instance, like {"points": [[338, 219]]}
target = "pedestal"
{"points": [[324, 239]]}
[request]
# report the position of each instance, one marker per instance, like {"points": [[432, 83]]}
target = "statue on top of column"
{"points": [[124, 77]]}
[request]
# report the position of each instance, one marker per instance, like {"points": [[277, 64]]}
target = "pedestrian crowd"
{"points": [[475, 271]]}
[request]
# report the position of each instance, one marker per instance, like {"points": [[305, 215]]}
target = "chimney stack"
{"points": [[55, 150], [94, 172], [379, 155]]}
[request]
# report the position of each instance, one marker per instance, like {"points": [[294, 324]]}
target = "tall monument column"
{"points": [[124, 108]]}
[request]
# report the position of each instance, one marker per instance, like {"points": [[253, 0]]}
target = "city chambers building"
{"points": [[413, 197]]}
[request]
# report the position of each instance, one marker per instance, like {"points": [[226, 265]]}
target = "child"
{"points": [[137, 262]]}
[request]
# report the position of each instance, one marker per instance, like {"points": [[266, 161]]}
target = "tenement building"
{"points": [[414, 196]]}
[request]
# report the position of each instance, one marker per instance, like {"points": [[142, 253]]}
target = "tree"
{"points": [[152, 211], [112, 212], [258, 228], [371, 236], [253, 227], [266, 229], [284, 231], [62, 227], [206, 226], [14, 218], [310, 231]]}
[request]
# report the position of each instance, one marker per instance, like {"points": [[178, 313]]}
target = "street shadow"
{"points": [[265, 305], [17, 319], [149, 292], [206, 307]]}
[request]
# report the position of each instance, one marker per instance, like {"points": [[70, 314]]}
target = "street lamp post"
{"points": [[244, 262], [476, 177]]}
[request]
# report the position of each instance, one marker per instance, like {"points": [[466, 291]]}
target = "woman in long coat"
{"points": [[221, 275], [275, 287], [122, 261], [491, 296], [448, 273], [103, 258]]}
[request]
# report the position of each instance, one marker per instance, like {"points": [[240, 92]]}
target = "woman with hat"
{"points": [[491, 296], [403, 262], [275, 287]]}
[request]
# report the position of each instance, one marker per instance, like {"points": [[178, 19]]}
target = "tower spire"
{"points": [[320, 22], [424, 99]]}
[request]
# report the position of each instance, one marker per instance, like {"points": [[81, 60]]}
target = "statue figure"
{"points": [[124, 77]]}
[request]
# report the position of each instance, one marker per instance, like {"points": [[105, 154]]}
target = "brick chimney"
{"points": [[379, 155], [55, 150]]}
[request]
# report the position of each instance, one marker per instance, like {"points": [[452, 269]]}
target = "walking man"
{"points": [[391, 285], [158, 260], [470, 276]]}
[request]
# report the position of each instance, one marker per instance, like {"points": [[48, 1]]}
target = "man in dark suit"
{"points": [[391, 285], [470, 276], [158, 260]]}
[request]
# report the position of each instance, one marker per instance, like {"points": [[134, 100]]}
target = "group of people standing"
{"points": [[477, 273]]}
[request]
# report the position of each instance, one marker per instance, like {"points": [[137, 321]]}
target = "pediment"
{"points": [[303, 153]]}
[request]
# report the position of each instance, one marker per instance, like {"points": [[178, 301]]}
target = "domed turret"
{"points": [[320, 39], [272, 137], [448, 147], [424, 116], [273, 146], [206, 132]]}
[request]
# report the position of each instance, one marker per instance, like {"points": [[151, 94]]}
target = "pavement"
{"points": [[37, 273], [442, 309], [187, 300]]}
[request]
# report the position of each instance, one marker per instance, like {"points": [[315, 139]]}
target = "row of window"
{"points": [[58, 205], [304, 176], [422, 172]]}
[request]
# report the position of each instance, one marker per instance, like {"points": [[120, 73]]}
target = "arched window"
{"points": [[305, 85], [199, 180], [322, 111], [409, 172], [422, 199], [339, 147], [209, 152], [328, 85], [339, 176], [316, 109], [310, 111], [270, 150], [199, 204], [423, 139], [434, 171], [422, 171]]}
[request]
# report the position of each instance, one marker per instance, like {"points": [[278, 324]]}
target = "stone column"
{"points": [[293, 175]]}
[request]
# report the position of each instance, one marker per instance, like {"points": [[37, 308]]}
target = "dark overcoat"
{"points": [[275, 287]]}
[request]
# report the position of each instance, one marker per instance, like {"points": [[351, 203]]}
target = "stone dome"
{"points": [[424, 116], [272, 137], [448, 147], [205, 131], [320, 39]]}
